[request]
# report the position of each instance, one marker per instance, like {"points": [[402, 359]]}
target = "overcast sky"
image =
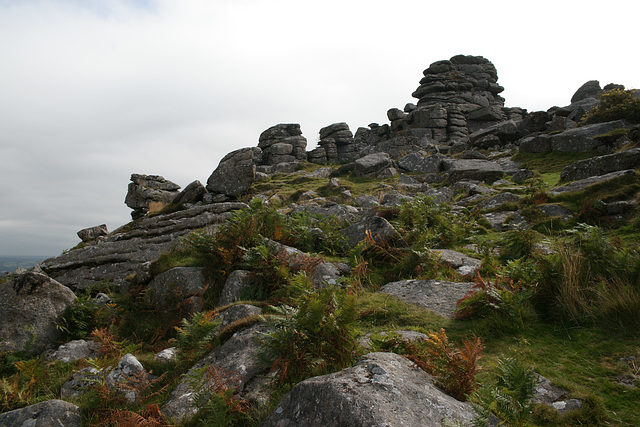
{"points": [[94, 90]]}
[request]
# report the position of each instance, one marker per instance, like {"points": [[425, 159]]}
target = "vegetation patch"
{"points": [[550, 162]]}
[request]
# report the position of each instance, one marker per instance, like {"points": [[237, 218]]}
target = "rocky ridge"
{"points": [[432, 147]]}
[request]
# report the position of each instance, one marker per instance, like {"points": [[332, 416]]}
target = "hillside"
{"points": [[463, 262]]}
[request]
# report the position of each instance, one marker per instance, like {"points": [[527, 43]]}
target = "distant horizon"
{"points": [[27, 256], [9, 263]]}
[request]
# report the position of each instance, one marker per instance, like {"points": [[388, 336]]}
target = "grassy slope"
{"points": [[584, 359]]}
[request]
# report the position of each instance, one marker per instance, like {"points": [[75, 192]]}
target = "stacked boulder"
{"points": [[149, 193], [283, 143], [469, 82], [336, 144], [456, 97]]}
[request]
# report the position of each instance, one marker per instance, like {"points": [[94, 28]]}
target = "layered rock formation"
{"points": [[149, 193], [130, 249], [282, 143]]}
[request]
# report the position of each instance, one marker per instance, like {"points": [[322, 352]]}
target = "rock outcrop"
{"points": [[381, 389], [235, 359], [30, 306], [49, 413], [437, 295], [131, 249], [602, 165], [454, 146], [235, 173], [283, 143], [149, 193]]}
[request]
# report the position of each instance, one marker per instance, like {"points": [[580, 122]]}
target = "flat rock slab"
{"points": [[588, 182], [463, 264], [382, 389], [602, 165], [436, 295], [49, 413], [474, 169], [503, 220], [130, 249]]}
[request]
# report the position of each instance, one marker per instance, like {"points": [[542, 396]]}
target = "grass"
{"points": [[551, 162], [290, 186], [621, 188], [584, 360]]}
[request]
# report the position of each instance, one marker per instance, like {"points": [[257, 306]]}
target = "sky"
{"points": [[92, 91]]}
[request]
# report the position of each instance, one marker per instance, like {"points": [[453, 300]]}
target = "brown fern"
{"points": [[109, 346], [455, 367]]}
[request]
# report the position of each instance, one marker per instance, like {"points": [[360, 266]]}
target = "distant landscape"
{"points": [[8, 264]]}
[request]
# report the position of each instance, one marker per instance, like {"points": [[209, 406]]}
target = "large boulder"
{"points": [[535, 143], [576, 110], [236, 283], [536, 121], [382, 389], [585, 183], [437, 295], [376, 227], [192, 193], [75, 350], [30, 306], [601, 165], [149, 193], [338, 143], [49, 413], [468, 82], [236, 360], [421, 162], [583, 139], [590, 89], [463, 264], [235, 172], [577, 140], [373, 164], [473, 169], [506, 131], [179, 287], [92, 233]]}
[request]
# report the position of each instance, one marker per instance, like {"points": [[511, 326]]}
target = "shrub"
{"points": [[425, 224], [83, 317], [516, 244], [508, 397], [311, 233], [591, 279], [502, 297], [313, 338], [195, 336], [454, 367], [615, 104], [215, 398]]}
